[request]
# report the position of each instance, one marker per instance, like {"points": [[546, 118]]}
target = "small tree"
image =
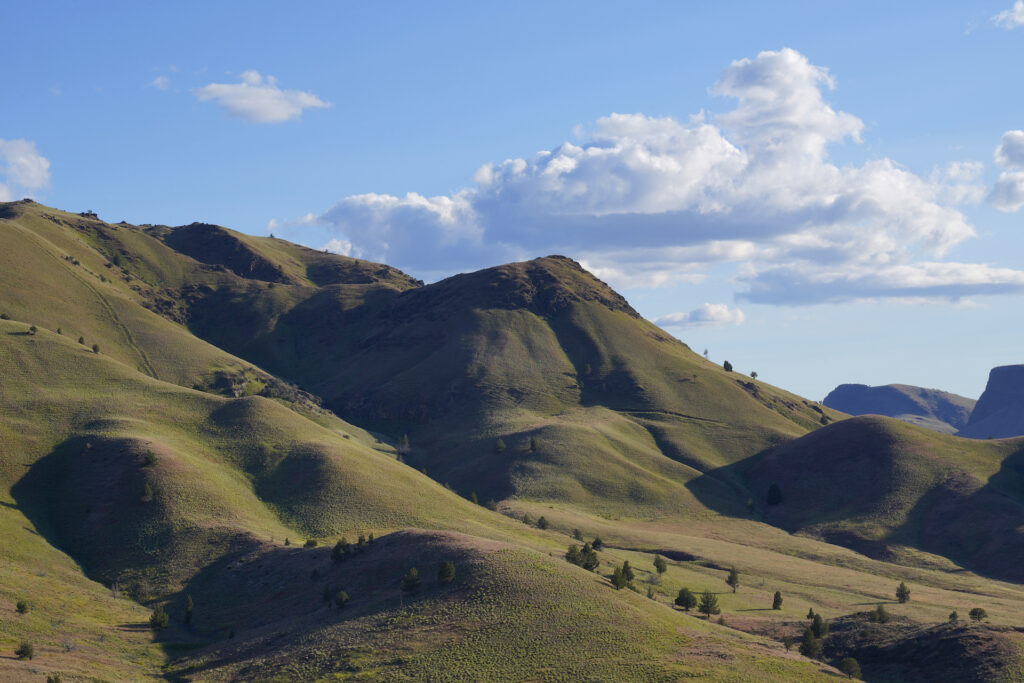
{"points": [[902, 593], [728, 366], [619, 579], [369, 539], [159, 619], [533, 444], [411, 580], [598, 544], [527, 519], [543, 523], [588, 558], [340, 598], [287, 541], [32, 329], [978, 614], [60, 331], [954, 617], [777, 600], [810, 613], [774, 496], [577, 534], [819, 626], [650, 592], [402, 447], [4, 316], [361, 541], [446, 572], [787, 642], [25, 650], [709, 604], [809, 645], [310, 543], [734, 579], [686, 599], [147, 492], [660, 565], [21, 607], [850, 667], [574, 556], [753, 374], [627, 571], [81, 340], [880, 615], [473, 499], [499, 446], [341, 550], [189, 606], [95, 348]]}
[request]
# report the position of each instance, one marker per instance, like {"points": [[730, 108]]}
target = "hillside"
{"points": [[881, 486], [1000, 410], [940, 411]]}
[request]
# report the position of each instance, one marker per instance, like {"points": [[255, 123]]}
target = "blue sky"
{"points": [[823, 194]]}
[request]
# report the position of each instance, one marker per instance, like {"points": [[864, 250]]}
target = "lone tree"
{"points": [[81, 340], [954, 617], [598, 544], [543, 523], [709, 604], [660, 565], [159, 619], [499, 446], [95, 348], [777, 600], [774, 496], [627, 571], [577, 534], [810, 613], [850, 667], [809, 645], [753, 374], [189, 606], [25, 650], [734, 579], [880, 616], [533, 444], [787, 641], [340, 598], [619, 579], [902, 593], [411, 580], [21, 607], [340, 550], [32, 330], [446, 572], [978, 614], [819, 626], [686, 599], [728, 366]]}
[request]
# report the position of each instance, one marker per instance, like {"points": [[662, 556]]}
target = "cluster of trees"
{"points": [[585, 557], [342, 549], [814, 633], [411, 581]]}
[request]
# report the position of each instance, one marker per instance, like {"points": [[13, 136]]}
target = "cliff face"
{"points": [[1000, 410]]}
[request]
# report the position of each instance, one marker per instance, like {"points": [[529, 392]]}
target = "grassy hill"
{"points": [[940, 411]]}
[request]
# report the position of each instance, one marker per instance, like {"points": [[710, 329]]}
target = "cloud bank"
{"points": [[258, 99], [1008, 193], [654, 200], [23, 169], [708, 315]]}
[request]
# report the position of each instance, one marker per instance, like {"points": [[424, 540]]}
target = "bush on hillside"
{"points": [[902, 593], [850, 667], [543, 523], [21, 607], [25, 650], [819, 626], [95, 348], [880, 615], [777, 600], [954, 617], [32, 329], [446, 572], [159, 619], [619, 579], [660, 565], [310, 543], [686, 599], [411, 580], [978, 614], [340, 598], [727, 366]]}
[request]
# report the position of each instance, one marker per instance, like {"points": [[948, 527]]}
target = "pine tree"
{"points": [[533, 444], [819, 626], [340, 550], [660, 565], [32, 329], [598, 544], [574, 556], [902, 593], [627, 572], [709, 604], [473, 499], [21, 607], [727, 366], [734, 579], [411, 580], [810, 613], [340, 598], [880, 616], [954, 617], [809, 645], [81, 340], [777, 600], [361, 541], [577, 534], [189, 606], [25, 650], [95, 348], [686, 599], [787, 641], [446, 572], [159, 619], [619, 579], [589, 558], [499, 446], [543, 523]]}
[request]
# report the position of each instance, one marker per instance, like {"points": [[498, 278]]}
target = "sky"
{"points": [[822, 193]]}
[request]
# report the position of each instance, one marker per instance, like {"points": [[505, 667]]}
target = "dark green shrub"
{"points": [[32, 329], [819, 626], [81, 340], [954, 617], [95, 348], [543, 523], [686, 599], [499, 446], [310, 543], [159, 619], [809, 645], [777, 600], [577, 534], [902, 593], [25, 650], [446, 572], [733, 580], [619, 579], [978, 614], [411, 580], [880, 615], [850, 667], [21, 607], [709, 604], [728, 366], [660, 565], [340, 598], [787, 641]]}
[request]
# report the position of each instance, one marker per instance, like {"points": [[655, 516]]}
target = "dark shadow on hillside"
{"points": [[725, 491]]}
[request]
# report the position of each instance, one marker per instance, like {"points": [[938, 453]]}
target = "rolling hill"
{"points": [[940, 411]]}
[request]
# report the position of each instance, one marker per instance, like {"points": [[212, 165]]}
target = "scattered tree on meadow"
{"points": [[902, 593], [287, 541], [95, 348], [850, 667], [159, 619], [499, 446], [686, 599], [753, 374], [777, 600], [411, 580], [25, 650], [706, 356], [527, 519], [809, 645], [819, 626], [81, 340], [60, 331], [21, 607], [709, 604], [727, 366], [978, 614], [402, 447], [954, 617], [492, 505], [734, 579], [810, 613], [473, 499], [619, 579], [588, 558], [660, 565], [598, 543], [577, 534], [533, 444], [189, 607], [361, 541], [880, 615], [340, 550], [787, 641], [627, 571], [543, 523], [340, 598], [310, 543], [369, 539], [32, 329], [774, 496], [446, 572]]}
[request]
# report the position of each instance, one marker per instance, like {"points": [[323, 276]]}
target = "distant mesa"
{"points": [[940, 411], [1000, 410]]}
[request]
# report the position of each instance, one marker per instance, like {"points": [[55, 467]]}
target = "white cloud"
{"points": [[1011, 18], [343, 247], [161, 83], [1010, 152], [648, 200], [1008, 193], [22, 169], [708, 315], [258, 99]]}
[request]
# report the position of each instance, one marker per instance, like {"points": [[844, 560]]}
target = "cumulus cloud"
{"points": [[22, 169], [1010, 152], [336, 246], [1008, 193], [653, 200], [161, 83], [708, 315], [1011, 18], [258, 99]]}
